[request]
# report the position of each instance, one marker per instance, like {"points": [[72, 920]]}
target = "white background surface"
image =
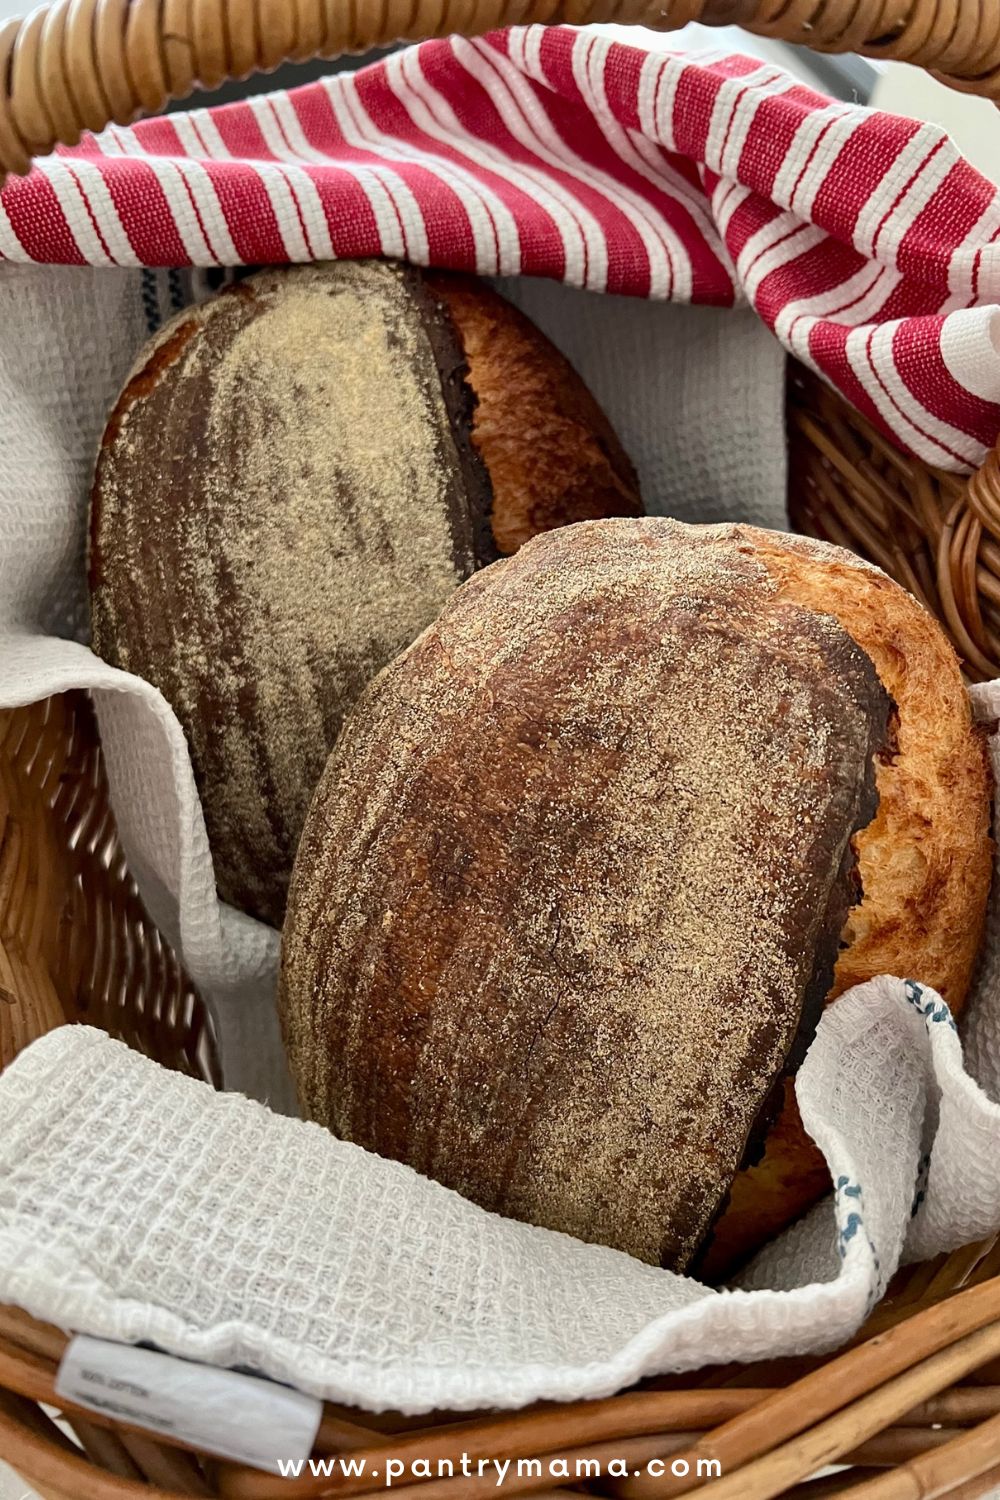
{"points": [[974, 124]]}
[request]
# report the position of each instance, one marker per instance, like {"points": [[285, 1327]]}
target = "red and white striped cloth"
{"points": [[864, 241]]}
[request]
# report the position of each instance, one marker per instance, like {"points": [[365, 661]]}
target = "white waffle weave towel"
{"points": [[136, 1204]]}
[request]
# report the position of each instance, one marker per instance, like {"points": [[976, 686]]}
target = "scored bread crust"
{"points": [[925, 861]]}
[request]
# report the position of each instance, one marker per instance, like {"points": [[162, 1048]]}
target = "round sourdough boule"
{"points": [[569, 896], [290, 488]]}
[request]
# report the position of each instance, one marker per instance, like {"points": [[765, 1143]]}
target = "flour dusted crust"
{"points": [[924, 861], [288, 492], [260, 546], [569, 896]]}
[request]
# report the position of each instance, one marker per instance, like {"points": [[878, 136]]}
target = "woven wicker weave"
{"points": [[913, 1409], [937, 533], [75, 942]]}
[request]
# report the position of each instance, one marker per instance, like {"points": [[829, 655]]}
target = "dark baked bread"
{"points": [[569, 896], [287, 493]]}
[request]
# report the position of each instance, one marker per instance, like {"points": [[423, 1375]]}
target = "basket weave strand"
{"points": [[75, 942]]}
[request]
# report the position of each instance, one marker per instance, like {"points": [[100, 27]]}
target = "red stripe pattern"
{"points": [[865, 242]]}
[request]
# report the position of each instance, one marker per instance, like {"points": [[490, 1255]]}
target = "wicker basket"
{"points": [[911, 1408]]}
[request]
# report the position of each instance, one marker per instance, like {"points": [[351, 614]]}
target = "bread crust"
{"points": [[925, 861], [561, 918], [553, 457], [285, 495]]}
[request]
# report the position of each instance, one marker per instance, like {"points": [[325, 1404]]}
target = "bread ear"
{"points": [[925, 861], [552, 455]]}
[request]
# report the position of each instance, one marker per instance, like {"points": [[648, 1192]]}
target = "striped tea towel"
{"points": [[864, 241]]}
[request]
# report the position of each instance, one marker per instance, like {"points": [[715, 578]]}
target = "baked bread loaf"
{"points": [[289, 489], [573, 887]]}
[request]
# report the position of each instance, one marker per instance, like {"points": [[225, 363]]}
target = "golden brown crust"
{"points": [[542, 940], [925, 861], [552, 455]]}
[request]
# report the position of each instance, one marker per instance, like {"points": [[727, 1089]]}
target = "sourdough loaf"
{"points": [[570, 894], [290, 488]]}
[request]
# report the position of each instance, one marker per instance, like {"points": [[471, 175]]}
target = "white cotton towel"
{"points": [[136, 1204]]}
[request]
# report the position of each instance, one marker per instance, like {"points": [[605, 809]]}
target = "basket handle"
{"points": [[79, 65]]}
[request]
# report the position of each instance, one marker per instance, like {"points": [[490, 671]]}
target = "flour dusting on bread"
{"points": [[569, 896]]}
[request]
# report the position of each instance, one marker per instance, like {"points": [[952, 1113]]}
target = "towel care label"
{"points": [[251, 1420]]}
